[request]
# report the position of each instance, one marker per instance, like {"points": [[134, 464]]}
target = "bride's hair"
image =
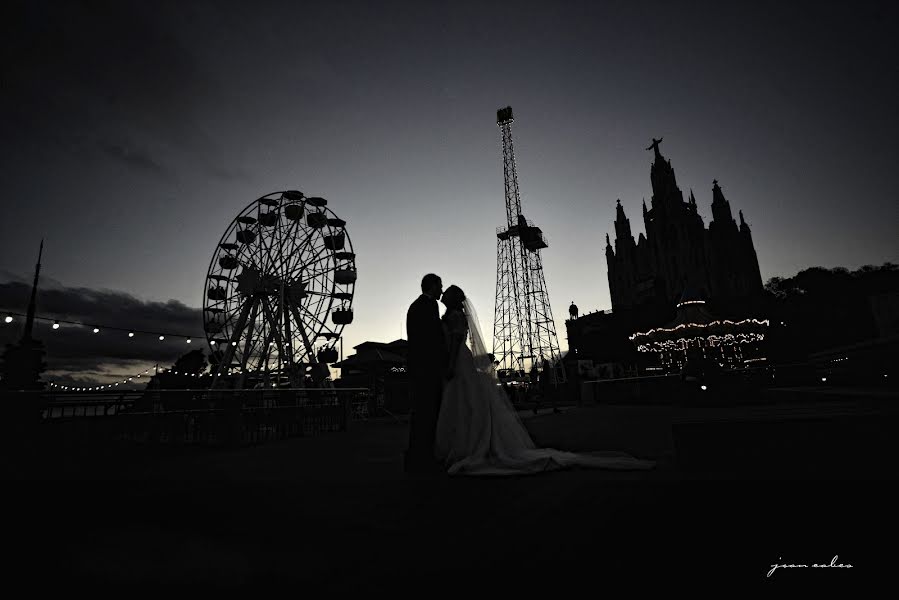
{"points": [[458, 297]]}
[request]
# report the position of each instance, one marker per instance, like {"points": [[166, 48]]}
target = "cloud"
{"points": [[83, 76], [75, 351], [138, 159], [45, 282]]}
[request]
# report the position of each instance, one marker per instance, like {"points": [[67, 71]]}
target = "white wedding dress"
{"points": [[480, 433]]}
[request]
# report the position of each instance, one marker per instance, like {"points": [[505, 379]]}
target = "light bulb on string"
{"points": [[55, 324], [96, 330], [162, 337], [131, 334], [8, 319], [188, 340]]}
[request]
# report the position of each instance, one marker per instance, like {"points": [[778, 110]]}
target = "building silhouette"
{"points": [[678, 252], [650, 276], [380, 367]]}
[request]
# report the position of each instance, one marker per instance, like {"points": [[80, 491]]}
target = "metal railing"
{"points": [[205, 417], [732, 385]]}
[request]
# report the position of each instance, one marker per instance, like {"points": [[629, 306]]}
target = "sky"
{"points": [[134, 133]]}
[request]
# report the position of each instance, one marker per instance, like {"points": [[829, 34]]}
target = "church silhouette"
{"points": [[678, 260], [678, 253]]}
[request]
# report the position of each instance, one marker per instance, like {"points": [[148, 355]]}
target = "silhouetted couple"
{"points": [[462, 421]]}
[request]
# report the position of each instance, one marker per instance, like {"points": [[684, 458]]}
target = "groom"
{"points": [[427, 362]]}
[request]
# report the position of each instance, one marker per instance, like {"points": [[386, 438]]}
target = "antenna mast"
{"points": [[524, 333]]}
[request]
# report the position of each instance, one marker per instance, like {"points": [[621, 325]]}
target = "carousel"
{"points": [[696, 335]]}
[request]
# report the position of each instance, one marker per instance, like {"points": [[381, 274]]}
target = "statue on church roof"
{"points": [[655, 147]]}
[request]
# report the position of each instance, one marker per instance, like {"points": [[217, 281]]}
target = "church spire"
{"points": [[720, 206], [665, 194], [623, 235], [744, 228], [29, 319]]}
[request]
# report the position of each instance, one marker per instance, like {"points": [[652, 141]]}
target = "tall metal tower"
{"points": [[524, 333]]}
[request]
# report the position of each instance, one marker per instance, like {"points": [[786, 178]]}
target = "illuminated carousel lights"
{"points": [[714, 341], [699, 326]]}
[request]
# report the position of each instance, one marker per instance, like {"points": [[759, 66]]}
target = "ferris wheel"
{"points": [[279, 292]]}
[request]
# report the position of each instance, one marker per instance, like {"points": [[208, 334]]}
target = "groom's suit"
{"points": [[427, 361]]}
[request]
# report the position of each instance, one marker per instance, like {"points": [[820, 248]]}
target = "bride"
{"points": [[478, 430]]}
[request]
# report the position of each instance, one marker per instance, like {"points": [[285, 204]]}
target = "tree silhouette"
{"points": [[183, 373], [193, 362], [23, 364], [825, 308]]}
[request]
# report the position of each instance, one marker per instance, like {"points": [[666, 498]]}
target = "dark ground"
{"points": [[735, 490]]}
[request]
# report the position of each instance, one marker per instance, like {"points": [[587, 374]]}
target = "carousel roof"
{"points": [[693, 320], [691, 312]]}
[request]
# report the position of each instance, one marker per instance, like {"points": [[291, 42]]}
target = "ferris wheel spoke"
{"points": [[275, 329], [229, 351], [265, 246], [317, 257], [287, 333], [309, 349], [278, 255], [285, 238], [298, 255], [288, 259], [290, 270], [278, 265], [265, 251], [321, 322], [322, 294], [249, 337], [266, 350], [267, 335]]}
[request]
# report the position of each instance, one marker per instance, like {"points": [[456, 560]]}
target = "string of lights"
{"points": [[97, 328], [99, 387], [713, 340], [131, 379], [231, 373], [679, 304], [699, 326]]}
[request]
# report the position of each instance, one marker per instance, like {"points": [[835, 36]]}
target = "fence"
{"points": [[730, 386], [204, 417]]}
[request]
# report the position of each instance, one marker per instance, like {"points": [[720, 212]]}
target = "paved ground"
{"points": [[336, 512]]}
